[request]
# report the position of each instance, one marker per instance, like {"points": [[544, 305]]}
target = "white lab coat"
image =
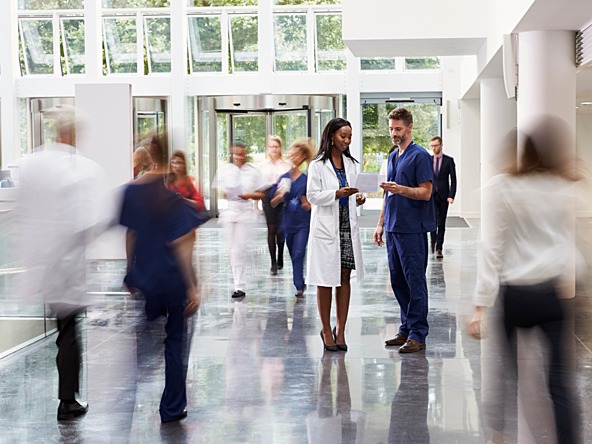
{"points": [[61, 207], [323, 265]]}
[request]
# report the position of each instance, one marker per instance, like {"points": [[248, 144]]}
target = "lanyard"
{"points": [[342, 182], [340, 176]]}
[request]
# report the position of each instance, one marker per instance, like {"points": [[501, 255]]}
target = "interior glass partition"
{"points": [[376, 141]]}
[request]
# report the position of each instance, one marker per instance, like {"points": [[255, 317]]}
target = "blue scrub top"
{"points": [[401, 214], [158, 217], [294, 217]]}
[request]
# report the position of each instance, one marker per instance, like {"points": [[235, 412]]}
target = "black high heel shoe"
{"points": [[331, 348], [342, 347]]}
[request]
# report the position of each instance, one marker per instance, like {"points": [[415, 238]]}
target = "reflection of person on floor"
{"points": [[409, 411], [527, 247], [242, 372], [241, 182], [271, 169], [59, 212], [159, 246], [291, 191], [329, 424]]}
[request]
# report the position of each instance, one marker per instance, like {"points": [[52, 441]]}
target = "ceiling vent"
{"points": [[584, 47]]}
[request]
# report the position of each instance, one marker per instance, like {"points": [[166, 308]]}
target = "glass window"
{"points": [[330, 50], [375, 136], [121, 45], [48, 5], [116, 4], [422, 63], [73, 41], [244, 43], [200, 3], [158, 43], [290, 42], [205, 44], [378, 64], [37, 42]]}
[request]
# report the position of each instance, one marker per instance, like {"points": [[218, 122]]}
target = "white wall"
{"points": [[451, 122], [584, 153], [107, 138], [470, 161], [373, 25]]}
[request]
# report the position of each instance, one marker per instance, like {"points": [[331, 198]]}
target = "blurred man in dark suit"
{"points": [[443, 191]]}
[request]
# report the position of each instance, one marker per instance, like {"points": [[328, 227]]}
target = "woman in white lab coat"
{"points": [[334, 247]]}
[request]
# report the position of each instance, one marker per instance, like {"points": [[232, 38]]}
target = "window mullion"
{"points": [[311, 39], [224, 29], [57, 62], [140, 42]]}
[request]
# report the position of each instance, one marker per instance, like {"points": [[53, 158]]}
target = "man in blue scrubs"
{"points": [[407, 216]]}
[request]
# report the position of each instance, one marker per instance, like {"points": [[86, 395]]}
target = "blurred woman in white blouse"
{"points": [[272, 168], [525, 256]]}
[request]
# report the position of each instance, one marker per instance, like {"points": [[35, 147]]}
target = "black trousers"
{"points": [[68, 358], [441, 207], [538, 306]]}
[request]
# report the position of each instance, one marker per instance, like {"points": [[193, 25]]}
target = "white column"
{"points": [[93, 25], [547, 76], [546, 85], [9, 112], [178, 122], [498, 119], [266, 46]]}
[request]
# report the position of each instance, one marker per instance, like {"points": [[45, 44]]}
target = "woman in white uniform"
{"points": [[334, 247], [241, 182]]}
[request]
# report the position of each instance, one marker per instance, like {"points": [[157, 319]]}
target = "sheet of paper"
{"points": [[367, 182]]}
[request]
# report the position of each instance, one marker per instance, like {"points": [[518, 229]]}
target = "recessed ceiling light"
{"points": [[586, 103]]}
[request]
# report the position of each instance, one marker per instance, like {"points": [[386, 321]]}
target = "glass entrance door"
{"points": [[251, 119]]}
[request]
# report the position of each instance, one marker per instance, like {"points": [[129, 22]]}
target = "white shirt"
{"points": [[530, 236], [235, 181], [61, 207], [271, 171]]}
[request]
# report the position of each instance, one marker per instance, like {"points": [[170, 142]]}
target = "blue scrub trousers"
{"points": [[296, 243], [408, 261], [177, 342]]}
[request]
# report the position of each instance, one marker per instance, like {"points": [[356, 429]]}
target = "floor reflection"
{"points": [[257, 370]]}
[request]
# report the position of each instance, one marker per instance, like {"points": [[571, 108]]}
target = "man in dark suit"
{"points": [[443, 191]]}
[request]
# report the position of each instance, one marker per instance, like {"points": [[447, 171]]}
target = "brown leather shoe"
{"points": [[412, 346], [439, 254], [399, 339]]}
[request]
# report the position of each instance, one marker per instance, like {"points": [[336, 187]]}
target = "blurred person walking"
{"points": [[295, 223], [59, 211], [524, 257], [443, 192], [334, 246], [272, 168], [241, 182], [142, 162], [159, 247], [407, 216], [179, 182]]}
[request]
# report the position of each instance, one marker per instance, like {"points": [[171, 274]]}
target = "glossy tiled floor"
{"points": [[257, 370]]}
